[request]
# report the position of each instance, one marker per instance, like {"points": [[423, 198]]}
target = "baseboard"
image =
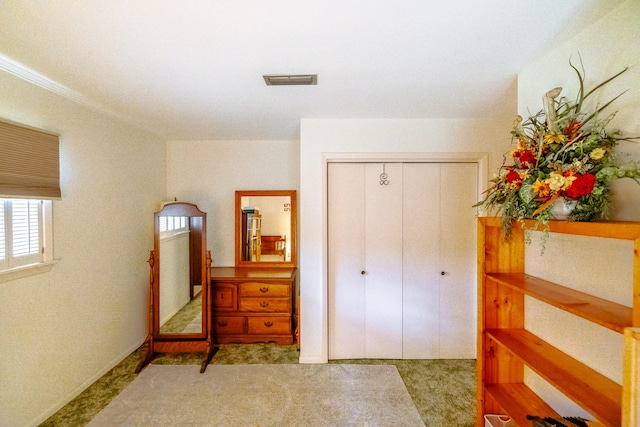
{"points": [[312, 359], [69, 397]]}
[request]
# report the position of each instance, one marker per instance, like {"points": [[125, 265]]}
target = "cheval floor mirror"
{"points": [[180, 300]]}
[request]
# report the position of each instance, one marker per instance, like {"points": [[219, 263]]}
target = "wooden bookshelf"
{"points": [[519, 401], [589, 389], [605, 313], [505, 347]]}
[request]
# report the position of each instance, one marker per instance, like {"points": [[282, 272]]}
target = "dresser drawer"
{"points": [[256, 289], [251, 305], [269, 325], [229, 324], [224, 297], [265, 305]]}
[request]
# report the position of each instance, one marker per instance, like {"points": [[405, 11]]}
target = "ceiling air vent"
{"points": [[291, 79]]}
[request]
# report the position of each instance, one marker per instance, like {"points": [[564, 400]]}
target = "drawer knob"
{"points": [[222, 323], [264, 304], [264, 289], [268, 324]]}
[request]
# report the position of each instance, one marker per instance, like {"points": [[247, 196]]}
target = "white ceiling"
{"points": [[192, 69]]}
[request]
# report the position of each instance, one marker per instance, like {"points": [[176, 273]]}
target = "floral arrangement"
{"points": [[560, 155]]}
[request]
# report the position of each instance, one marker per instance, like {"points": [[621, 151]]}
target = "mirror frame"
{"points": [[199, 230], [294, 226]]}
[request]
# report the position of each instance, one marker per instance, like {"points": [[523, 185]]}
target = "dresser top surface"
{"points": [[218, 273]]}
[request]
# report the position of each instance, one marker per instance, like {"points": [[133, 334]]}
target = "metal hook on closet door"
{"points": [[384, 178]]}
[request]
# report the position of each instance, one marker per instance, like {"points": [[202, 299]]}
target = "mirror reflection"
{"points": [[180, 292], [265, 228], [266, 223], [180, 271]]}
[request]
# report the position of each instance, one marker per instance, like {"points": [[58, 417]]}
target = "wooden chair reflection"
{"points": [[273, 245]]}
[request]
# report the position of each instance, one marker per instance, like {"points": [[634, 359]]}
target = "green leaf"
{"points": [[526, 193]]}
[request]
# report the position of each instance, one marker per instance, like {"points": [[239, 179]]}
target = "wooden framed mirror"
{"points": [[266, 225], [180, 304]]}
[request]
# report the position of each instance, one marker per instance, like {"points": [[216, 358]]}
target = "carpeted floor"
{"points": [[443, 391], [186, 320], [318, 395]]}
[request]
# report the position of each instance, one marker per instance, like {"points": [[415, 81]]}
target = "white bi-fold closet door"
{"points": [[402, 260]]}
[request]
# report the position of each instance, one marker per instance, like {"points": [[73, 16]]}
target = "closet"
{"points": [[402, 260]]}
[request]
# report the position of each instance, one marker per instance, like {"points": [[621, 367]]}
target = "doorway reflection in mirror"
{"points": [[265, 227], [181, 303]]}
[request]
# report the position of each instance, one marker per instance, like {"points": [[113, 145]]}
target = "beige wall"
{"points": [[208, 173], [596, 266], [59, 331], [606, 47], [368, 138]]}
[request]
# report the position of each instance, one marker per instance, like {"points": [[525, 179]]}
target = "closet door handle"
{"points": [[363, 272]]}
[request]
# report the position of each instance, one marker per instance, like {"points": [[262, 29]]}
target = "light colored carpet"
{"points": [[263, 395], [195, 326]]}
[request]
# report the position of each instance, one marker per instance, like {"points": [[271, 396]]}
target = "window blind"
{"points": [[29, 163], [21, 240], [25, 216]]}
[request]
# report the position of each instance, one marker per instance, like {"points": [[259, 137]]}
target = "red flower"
{"points": [[581, 186], [513, 177], [527, 157]]}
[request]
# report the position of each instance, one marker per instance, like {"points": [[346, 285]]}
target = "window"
{"points": [[29, 180], [171, 225], [21, 232]]}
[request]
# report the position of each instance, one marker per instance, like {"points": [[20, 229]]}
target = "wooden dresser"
{"points": [[254, 305]]}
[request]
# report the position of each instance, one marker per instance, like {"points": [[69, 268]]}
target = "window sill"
{"points": [[173, 236], [26, 271]]}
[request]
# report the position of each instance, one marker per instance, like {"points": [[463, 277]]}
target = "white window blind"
{"points": [[21, 237], [170, 225], [26, 227]]}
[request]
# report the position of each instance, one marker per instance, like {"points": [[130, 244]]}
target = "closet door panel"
{"points": [[421, 261], [383, 251], [402, 235], [346, 260], [458, 248]]}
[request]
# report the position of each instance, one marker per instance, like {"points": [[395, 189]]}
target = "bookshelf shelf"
{"points": [[505, 347]]}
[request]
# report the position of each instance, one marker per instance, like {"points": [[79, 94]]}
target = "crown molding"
{"points": [[25, 73]]}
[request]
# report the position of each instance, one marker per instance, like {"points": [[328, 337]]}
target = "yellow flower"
{"points": [[558, 182], [554, 137], [597, 154], [541, 188]]}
